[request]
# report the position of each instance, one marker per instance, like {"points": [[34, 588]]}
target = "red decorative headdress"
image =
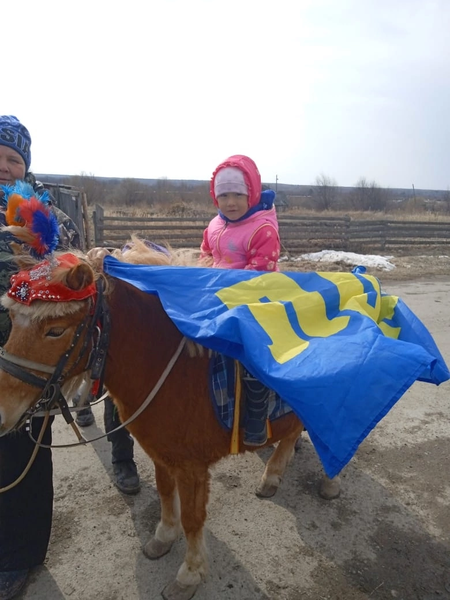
{"points": [[37, 284]]}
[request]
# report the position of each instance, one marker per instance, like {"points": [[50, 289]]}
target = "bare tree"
{"points": [[94, 188], [368, 195], [130, 192], [325, 192]]}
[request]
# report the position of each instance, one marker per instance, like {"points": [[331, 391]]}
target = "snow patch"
{"points": [[348, 258]]}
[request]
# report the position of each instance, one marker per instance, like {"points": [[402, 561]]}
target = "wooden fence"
{"points": [[298, 234]]}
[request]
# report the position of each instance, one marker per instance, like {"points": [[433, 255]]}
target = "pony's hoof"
{"points": [[298, 444], [175, 591], [330, 488], [154, 548], [266, 490]]}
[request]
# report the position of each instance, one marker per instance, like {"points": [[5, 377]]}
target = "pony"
{"points": [[178, 430]]}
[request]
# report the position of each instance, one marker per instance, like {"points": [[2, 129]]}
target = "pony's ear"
{"points": [[79, 277]]}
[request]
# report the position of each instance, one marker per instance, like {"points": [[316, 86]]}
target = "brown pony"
{"points": [[178, 430]]}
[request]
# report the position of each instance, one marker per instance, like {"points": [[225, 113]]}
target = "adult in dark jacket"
{"points": [[25, 510]]}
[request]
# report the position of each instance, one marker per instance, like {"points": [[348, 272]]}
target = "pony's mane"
{"points": [[139, 253]]}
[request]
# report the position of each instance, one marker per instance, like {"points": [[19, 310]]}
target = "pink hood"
{"points": [[251, 176]]}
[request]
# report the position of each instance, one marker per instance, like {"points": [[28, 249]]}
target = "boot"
{"points": [[85, 417], [256, 409], [11, 583], [126, 477]]}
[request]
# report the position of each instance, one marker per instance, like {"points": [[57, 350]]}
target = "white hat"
{"points": [[229, 180]]}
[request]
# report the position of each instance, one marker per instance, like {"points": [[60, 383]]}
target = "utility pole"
{"points": [[276, 183]]}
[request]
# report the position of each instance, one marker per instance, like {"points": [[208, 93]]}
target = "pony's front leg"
{"points": [[193, 488], [169, 527]]}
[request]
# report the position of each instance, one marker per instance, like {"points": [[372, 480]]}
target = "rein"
{"points": [[83, 441]]}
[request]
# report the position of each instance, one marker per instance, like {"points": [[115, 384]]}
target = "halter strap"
{"points": [[14, 366], [24, 362]]}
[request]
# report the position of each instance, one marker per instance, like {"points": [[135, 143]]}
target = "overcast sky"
{"points": [[169, 88]]}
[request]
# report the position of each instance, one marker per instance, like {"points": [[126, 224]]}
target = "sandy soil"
{"points": [[386, 537]]}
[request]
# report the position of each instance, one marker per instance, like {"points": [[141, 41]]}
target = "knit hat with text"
{"points": [[16, 136]]}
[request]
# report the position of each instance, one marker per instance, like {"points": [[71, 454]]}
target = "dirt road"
{"points": [[386, 537]]}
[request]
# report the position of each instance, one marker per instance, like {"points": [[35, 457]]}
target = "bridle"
{"points": [[96, 327]]}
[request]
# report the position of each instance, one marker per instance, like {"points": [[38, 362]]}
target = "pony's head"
{"points": [[46, 303]]}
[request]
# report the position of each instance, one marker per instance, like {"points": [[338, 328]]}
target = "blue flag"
{"points": [[332, 345]]}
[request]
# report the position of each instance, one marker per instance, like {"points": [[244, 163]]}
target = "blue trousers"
{"points": [[122, 442]]}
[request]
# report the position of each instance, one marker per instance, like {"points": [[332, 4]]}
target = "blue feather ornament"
{"points": [[32, 211]]}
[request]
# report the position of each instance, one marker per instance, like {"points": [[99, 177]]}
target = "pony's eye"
{"points": [[55, 332]]}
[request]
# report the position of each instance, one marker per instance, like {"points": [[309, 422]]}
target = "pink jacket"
{"points": [[253, 243]]}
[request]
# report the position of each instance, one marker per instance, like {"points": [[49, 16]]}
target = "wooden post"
{"points": [[348, 224], [384, 235], [98, 225], [87, 225]]}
